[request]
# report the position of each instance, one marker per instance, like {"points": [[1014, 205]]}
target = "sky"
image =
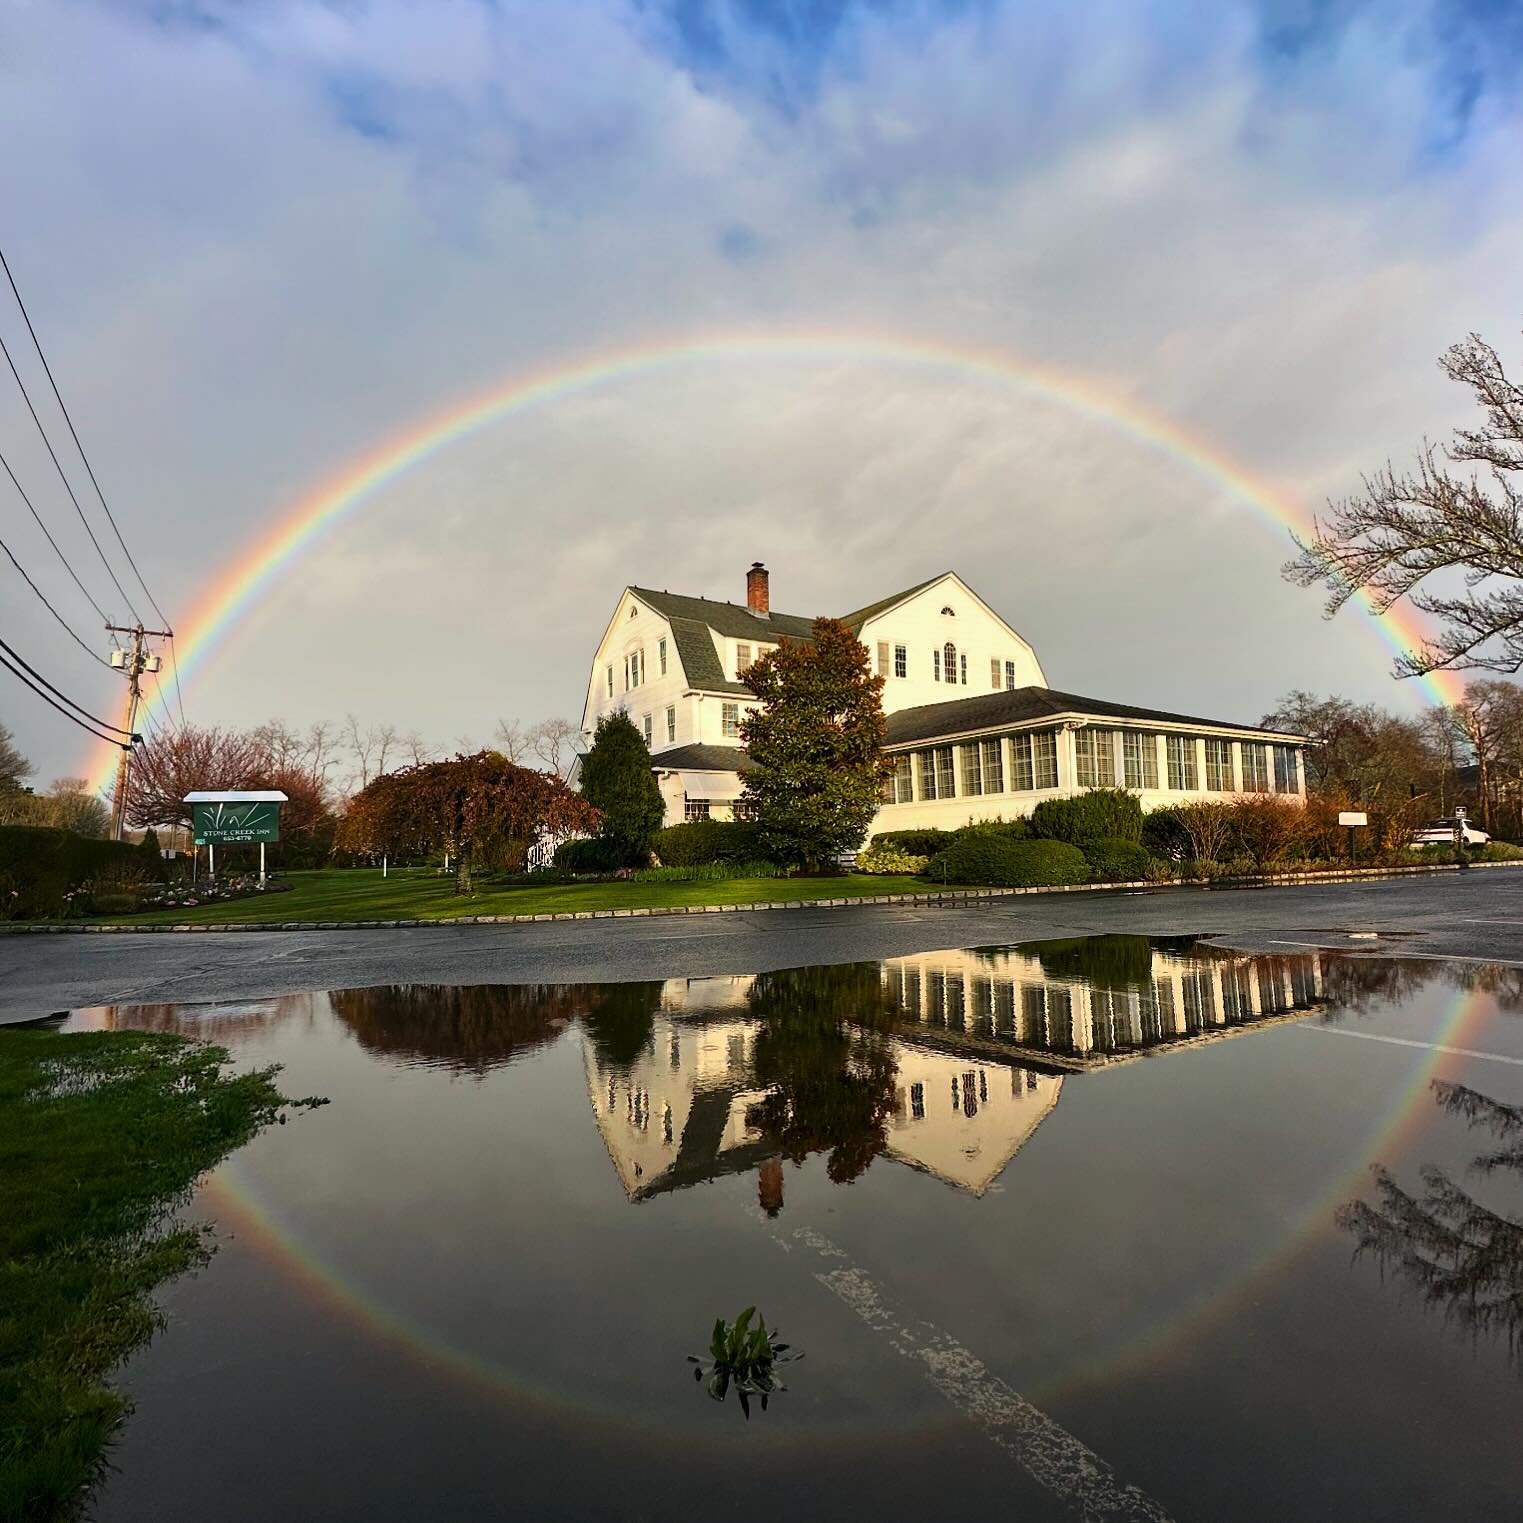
{"points": [[260, 238]]}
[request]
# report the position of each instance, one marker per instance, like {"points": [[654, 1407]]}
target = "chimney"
{"points": [[756, 589]]}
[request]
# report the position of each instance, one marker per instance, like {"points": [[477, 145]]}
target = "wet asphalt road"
{"points": [[1478, 914]]}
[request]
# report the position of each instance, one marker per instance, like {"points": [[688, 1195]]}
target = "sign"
{"points": [[230, 824], [1353, 817]]}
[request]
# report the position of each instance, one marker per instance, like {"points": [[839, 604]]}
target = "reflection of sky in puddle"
{"points": [[512, 1182]]}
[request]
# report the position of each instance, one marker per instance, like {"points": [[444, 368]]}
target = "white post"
{"points": [[261, 864], [384, 860], [211, 860]]}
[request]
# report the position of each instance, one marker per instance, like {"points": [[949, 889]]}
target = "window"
{"points": [[742, 657], [1219, 766], [645, 725], [661, 652], [671, 725], [632, 670], [994, 673], [1287, 766], [994, 767], [1010, 676], [1034, 760], [695, 809], [1255, 767], [901, 661], [729, 719], [925, 774], [936, 666], [946, 782], [1095, 751], [743, 809], [610, 682], [963, 669], [972, 769], [904, 783], [949, 662], [1181, 750], [1140, 756], [633, 611]]}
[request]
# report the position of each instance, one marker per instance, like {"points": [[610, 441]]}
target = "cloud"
{"points": [[260, 238]]}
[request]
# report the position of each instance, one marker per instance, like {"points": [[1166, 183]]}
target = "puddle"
{"points": [[1025, 1209]]}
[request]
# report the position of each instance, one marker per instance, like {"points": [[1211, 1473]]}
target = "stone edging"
{"points": [[947, 896]]}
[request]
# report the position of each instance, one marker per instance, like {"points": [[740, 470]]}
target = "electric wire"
{"points": [[16, 656], [74, 434], [174, 666], [67, 627], [72, 718], [57, 466], [54, 543]]}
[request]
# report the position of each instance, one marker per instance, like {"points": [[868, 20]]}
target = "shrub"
{"points": [[1164, 833], [600, 854], [1010, 830], [879, 859], [703, 841], [616, 778], [1113, 860], [1498, 851], [708, 872], [46, 872], [1092, 816], [1265, 828], [916, 843], [980, 857]]}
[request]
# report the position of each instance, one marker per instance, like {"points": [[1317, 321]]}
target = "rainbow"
{"points": [[225, 600]]}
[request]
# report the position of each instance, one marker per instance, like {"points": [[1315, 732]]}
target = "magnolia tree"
{"points": [[479, 808], [816, 744]]}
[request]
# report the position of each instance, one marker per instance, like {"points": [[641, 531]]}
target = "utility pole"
{"points": [[134, 663]]}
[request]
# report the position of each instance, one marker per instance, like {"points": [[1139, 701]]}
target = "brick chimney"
{"points": [[757, 599]]}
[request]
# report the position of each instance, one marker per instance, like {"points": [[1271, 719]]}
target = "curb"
{"points": [[948, 897]]}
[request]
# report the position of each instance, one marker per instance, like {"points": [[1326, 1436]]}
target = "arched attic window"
{"points": [[949, 662]]}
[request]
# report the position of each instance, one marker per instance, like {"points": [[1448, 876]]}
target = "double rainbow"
{"points": [[224, 601]]}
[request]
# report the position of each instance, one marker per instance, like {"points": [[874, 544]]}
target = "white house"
{"points": [[973, 728]]}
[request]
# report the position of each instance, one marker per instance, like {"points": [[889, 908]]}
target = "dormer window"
{"points": [[742, 658]]}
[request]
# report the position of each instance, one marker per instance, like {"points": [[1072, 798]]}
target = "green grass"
{"points": [[354, 893], [102, 1135]]}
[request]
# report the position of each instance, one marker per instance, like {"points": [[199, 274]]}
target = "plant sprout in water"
{"points": [[744, 1357]]}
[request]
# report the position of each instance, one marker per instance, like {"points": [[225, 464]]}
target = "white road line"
{"points": [[1401, 1041], [1048, 1452]]}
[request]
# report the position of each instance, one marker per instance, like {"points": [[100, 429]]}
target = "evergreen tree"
{"points": [[617, 780], [816, 744]]}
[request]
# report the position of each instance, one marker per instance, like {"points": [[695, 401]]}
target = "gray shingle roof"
{"points": [[1021, 705], [703, 758], [855, 621], [730, 619]]}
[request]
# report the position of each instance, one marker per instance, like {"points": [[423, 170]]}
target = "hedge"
{"points": [[913, 843], [597, 854], [700, 842], [984, 857], [1114, 860], [1095, 815], [46, 872]]}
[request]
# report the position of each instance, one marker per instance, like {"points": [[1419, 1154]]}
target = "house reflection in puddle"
{"points": [[947, 1061]]}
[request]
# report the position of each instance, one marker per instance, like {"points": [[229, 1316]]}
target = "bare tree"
{"points": [[71, 806], [1488, 723], [512, 739], [280, 742], [553, 741], [13, 765], [1404, 527], [416, 749], [362, 744], [318, 757], [385, 738]]}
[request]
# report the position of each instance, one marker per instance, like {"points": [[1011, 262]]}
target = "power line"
{"points": [[68, 629], [73, 719], [53, 542], [174, 666], [74, 434], [94, 718], [57, 466]]}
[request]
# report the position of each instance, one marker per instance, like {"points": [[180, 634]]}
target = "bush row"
{"points": [[46, 872]]}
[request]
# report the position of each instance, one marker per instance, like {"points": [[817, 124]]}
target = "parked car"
{"points": [[1441, 833]]}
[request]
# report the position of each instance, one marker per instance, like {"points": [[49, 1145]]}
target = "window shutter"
{"points": [[883, 658]]}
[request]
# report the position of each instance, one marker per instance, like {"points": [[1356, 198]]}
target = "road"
{"points": [[1474, 915]]}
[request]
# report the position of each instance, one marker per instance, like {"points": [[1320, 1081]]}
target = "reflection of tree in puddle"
{"points": [[1464, 1258], [620, 1021], [1360, 983], [826, 1063], [473, 1028]]}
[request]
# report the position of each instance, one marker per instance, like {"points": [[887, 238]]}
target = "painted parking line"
{"points": [[1402, 1041], [1044, 1449]]}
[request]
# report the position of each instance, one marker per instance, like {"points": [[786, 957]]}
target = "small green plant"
{"points": [[744, 1357]]}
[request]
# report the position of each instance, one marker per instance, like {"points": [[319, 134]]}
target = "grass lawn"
{"points": [[359, 893], [102, 1134]]}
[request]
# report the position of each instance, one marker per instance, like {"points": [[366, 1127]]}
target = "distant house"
{"points": [[973, 728]]}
